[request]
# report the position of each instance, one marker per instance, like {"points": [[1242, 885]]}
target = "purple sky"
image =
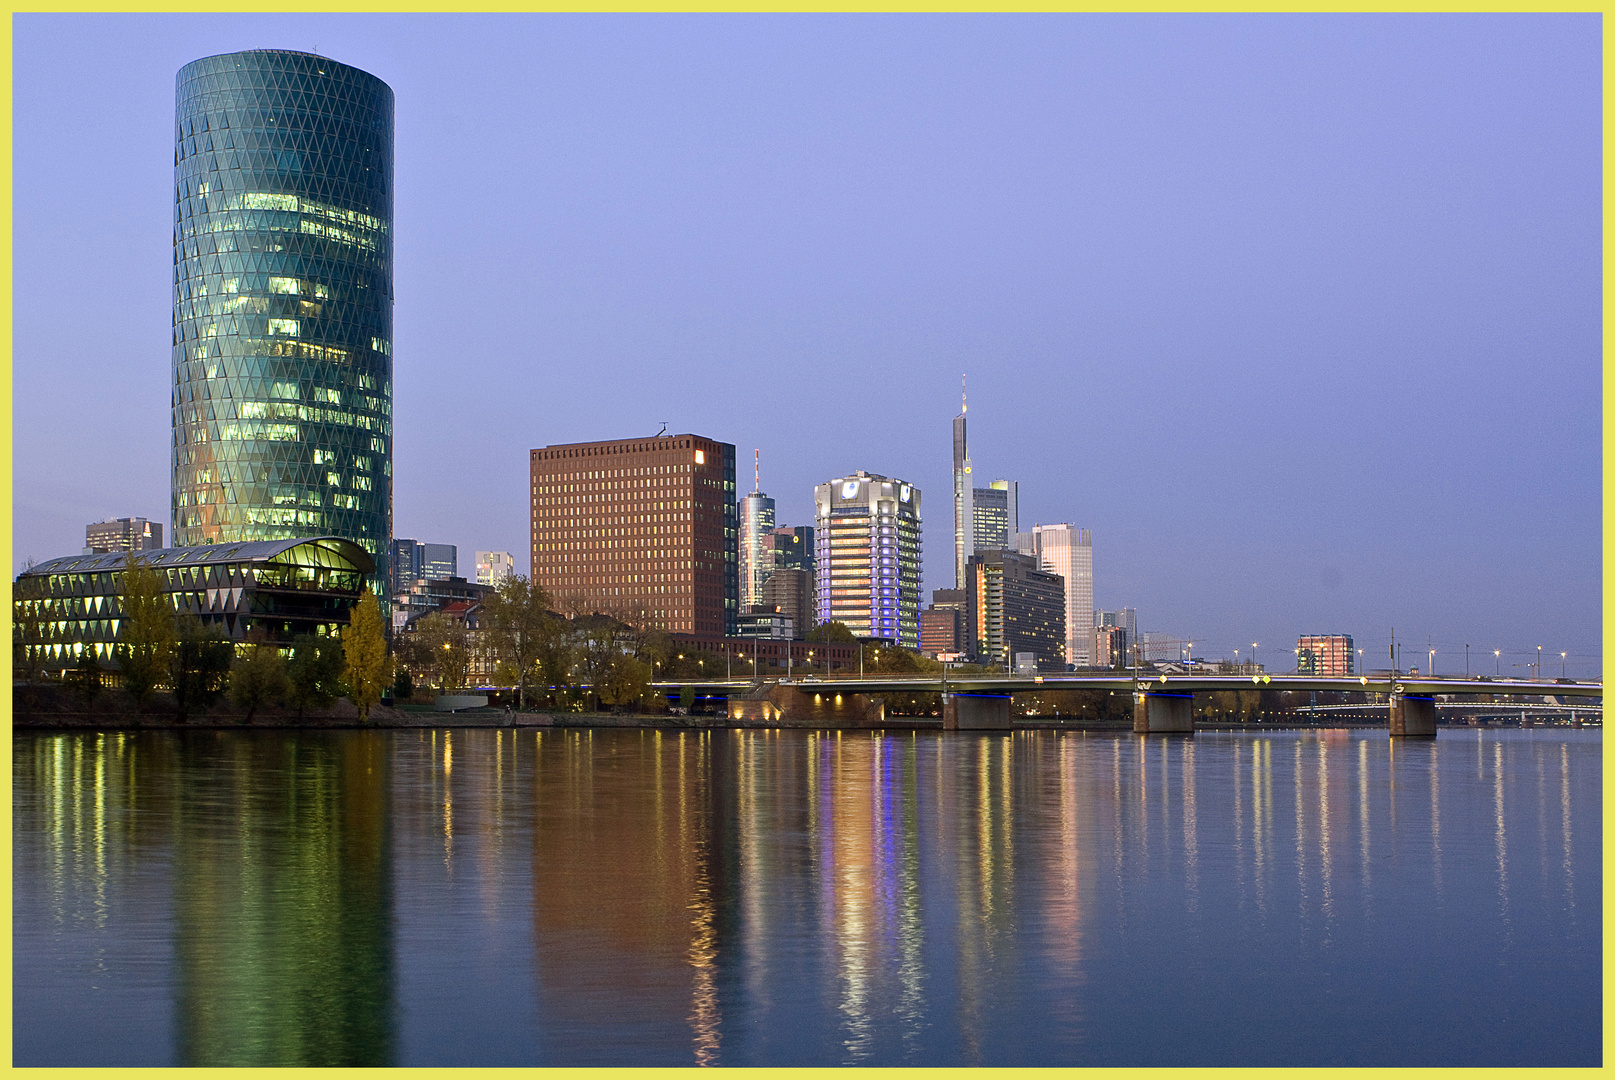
{"points": [[1300, 315]]}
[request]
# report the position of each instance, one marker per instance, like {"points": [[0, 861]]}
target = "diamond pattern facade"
{"points": [[282, 393]]}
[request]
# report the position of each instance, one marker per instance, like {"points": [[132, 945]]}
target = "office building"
{"points": [[414, 561], [1014, 607], [994, 516], [867, 531], [122, 534], [422, 596], [765, 622], [1068, 551], [942, 633], [641, 527], [964, 529], [1126, 618], [274, 588], [756, 522], [1325, 654], [494, 566], [283, 302], [789, 591], [1112, 647], [790, 547]]}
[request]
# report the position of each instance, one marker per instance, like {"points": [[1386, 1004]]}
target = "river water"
{"points": [[641, 897]]}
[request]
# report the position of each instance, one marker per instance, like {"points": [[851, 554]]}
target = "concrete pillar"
{"points": [[975, 712], [1413, 716], [1163, 713]]}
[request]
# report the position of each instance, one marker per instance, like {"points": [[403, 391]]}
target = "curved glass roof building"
{"points": [[283, 297]]}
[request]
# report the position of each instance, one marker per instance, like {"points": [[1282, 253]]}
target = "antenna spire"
{"points": [[964, 397], [757, 474]]}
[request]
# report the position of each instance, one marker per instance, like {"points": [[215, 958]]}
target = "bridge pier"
{"points": [[1159, 713], [975, 712], [1413, 716]]}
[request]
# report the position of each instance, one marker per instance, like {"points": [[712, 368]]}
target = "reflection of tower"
{"points": [[756, 523], [964, 529], [627, 887], [283, 947]]}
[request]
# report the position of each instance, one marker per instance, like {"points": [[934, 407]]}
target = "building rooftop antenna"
{"points": [[662, 432], [757, 473], [964, 397]]}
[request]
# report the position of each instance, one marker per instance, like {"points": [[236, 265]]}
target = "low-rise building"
{"points": [[278, 589]]}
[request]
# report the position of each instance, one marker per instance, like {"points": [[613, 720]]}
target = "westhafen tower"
{"points": [[283, 301]]}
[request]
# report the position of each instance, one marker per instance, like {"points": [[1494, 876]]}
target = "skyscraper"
{"points": [[756, 516], [995, 517], [964, 529], [283, 300], [1068, 551], [867, 530], [643, 528], [123, 534], [1014, 607]]}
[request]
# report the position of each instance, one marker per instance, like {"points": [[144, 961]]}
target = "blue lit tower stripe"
{"points": [[282, 345]]}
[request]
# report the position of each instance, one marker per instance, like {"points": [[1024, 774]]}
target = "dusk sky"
{"points": [[1300, 315]]}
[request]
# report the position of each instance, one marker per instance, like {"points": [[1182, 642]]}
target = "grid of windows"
{"points": [[282, 390], [281, 589], [643, 529], [867, 532]]}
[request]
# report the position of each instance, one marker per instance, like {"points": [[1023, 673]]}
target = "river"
{"points": [[754, 897]]}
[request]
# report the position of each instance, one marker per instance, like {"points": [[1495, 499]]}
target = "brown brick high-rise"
{"points": [[640, 528]]}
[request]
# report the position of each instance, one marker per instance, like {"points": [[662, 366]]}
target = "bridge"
{"points": [[1162, 703]]}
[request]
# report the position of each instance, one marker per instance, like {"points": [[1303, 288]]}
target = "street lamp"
{"points": [[1359, 661], [1253, 656], [1430, 668], [1539, 662], [1497, 662], [1561, 665]]}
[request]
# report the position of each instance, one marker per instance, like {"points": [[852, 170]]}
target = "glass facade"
{"points": [[283, 297], [67, 606]]}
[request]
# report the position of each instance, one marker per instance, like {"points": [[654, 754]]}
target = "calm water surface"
{"points": [[789, 898]]}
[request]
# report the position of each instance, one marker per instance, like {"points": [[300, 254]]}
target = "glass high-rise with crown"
{"points": [[283, 300]]}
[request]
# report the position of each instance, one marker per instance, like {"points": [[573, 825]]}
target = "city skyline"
{"points": [[1324, 356]]}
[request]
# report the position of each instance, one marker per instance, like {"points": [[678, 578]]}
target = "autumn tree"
{"points": [[364, 651]]}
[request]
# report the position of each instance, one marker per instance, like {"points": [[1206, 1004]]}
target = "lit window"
{"points": [[286, 286], [287, 327]]}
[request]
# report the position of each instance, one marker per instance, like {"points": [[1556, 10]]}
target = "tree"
{"points": [[520, 628], [439, 644], [259, 678], [832, 632], [364, 649], [146, 645], [403, 685], [625, 682], [315, 672], [86, 677], [199, 665]]}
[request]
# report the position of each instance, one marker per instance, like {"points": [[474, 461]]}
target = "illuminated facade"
{"points": [[756, 520], [279, 588], [1325, 654], [283, 299], [642, 529], [1014, 607], [123, 534], [867, 531]]}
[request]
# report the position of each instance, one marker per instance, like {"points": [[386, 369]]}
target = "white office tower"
{"points": [[494, 567], [756, 520], [867, 540], [1068, 551]]}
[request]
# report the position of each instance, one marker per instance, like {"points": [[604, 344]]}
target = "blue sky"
{"points": [[1300, 315]]}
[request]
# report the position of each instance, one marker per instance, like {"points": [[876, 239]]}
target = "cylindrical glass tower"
{"points": [[283, 302]]}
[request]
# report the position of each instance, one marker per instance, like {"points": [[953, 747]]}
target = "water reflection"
{"points": [[612, 897]]}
